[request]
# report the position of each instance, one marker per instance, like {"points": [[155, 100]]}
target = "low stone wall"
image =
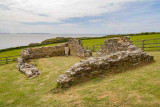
{"points": [[46, 51], [74, 48], [111, 58], [113, 63]]}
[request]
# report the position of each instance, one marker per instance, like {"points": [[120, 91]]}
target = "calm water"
{"points": [[13, 40]]}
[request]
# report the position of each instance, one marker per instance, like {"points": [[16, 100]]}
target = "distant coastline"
{"points": [[24, 33], [13, 40], [8, 40]]}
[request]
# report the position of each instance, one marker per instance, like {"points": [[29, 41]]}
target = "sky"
{"points": [[79, 16]]}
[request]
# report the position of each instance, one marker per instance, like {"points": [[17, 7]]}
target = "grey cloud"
{"points": [[4, 7], [43, 15]]}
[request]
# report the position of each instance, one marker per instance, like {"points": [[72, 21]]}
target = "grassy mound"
{"points": [[136, 87]]}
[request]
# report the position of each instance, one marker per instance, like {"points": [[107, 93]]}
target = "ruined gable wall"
{"points": [[114, 45]]}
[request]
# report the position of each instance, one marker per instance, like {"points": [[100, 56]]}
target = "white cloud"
{"points": [[56, 10], [12, 12], [96, 20]]}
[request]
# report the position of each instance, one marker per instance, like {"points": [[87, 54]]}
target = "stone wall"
{"points": [[73, 47], [77, 49], [116, 44], [46, 51], [118, 54]]}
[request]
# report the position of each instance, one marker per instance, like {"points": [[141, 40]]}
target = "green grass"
{"points": [[146, 37], [17, 90], [133, 88], [92, 42]]}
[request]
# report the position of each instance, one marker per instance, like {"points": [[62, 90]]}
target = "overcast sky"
{"points": [[79, 16]]}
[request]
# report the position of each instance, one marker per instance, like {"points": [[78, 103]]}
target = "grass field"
{"points": [[146, 37], [89, 42], [133, 88]]}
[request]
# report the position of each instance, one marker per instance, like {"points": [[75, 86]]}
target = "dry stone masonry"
{"points": [[73, 47], [117, 54]]}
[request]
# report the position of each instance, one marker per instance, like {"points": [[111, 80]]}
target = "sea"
{"points": [[14, 40]]}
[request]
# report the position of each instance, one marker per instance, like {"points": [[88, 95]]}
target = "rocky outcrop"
{"points": [[111, 58], [29, 69]]}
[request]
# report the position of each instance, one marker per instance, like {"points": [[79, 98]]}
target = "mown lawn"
{"points": [[137, 87]]}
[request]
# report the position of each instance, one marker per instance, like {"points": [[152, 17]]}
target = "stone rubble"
{"points": [[29, 69]]}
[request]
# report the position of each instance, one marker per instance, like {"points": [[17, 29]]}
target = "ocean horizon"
{"points": [[8, 40]]}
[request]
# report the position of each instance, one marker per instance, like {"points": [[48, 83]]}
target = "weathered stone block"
{"points": [[66, 51]]}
